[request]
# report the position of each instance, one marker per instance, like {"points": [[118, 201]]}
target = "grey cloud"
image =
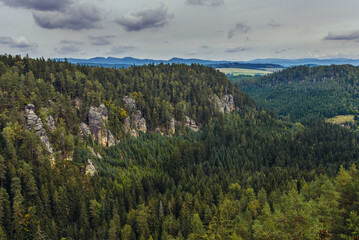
{"points": [[41, 5], [120, 49], [68, 47], [101, 40], [346, 37], [20, 43], [205, 2], [78, 17], [239, 28], [144, 19], [274, 24], [238, 49]]}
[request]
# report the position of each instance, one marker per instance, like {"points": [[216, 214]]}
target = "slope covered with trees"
{"points": [[243, 175], [303, 92]]}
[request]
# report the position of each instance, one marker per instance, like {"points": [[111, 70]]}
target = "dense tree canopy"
{"points": [[244, 175]]}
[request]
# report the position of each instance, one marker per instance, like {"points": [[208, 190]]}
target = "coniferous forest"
{"points": [[164, 152]]}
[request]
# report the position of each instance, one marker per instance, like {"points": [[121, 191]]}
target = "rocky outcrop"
{"points": [[97, 126], [51, 123], [90, 168], [134, 122], [84, 130], [140, 122], [130, 103], [93, 152], [34, 122], [172, 127], [225, 104], [191, 124]]}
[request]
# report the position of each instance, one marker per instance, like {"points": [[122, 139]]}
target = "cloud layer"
{"points": [[239, 28], [120, 49], [101, 40], [19, 43], [344, 37], [148, 18], [41, 5], [68, 47], [238, 49], [205, 2], [77, 17]]}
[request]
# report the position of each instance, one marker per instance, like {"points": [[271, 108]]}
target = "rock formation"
{"points": [[140, 122], [51, 123], [134, 122], [224, 105], [130, 103], [84, 130], [191, 124], [172, 128], [90, 168], [97, 126], [34, 122]]}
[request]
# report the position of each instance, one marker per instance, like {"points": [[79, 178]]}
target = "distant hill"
{"points": [[304, 93], [130, 61], [306, 61]]}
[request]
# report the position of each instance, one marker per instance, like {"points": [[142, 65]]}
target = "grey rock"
{"points": [[127, 124], [34, 122], [84, 130], [110, 139], [90, 168], [130, 103], [140, 122], [191, 124], [97, 125], [224, 105], [77, 103], [172, 128], [51, 123]]}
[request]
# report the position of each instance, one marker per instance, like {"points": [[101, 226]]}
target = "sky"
{"points": [[234, 30]]}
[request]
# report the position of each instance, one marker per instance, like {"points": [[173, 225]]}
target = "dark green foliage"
{"points": [[244, 175], [305, 93]]}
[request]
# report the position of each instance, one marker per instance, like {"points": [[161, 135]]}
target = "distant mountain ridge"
{"points": [[129, 61]]}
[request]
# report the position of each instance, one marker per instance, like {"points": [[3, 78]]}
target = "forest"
{"points": [[245, 174], [303, 93]]}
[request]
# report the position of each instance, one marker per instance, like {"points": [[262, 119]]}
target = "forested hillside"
{"points": [[304, 93], [163, 152]]}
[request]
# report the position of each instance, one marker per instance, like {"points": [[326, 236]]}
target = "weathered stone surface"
{"points": [[77, 103], [104, 112], [51, 123], [90, 168], [84, 130], [34, 122], [97, 124], [110, 139], [226, 104], [140, 122], [172, 127], [134, 133], [130, 103], [191, 124], [127, 124]]}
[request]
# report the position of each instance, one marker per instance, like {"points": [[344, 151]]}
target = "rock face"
{"points": [[97, 126], [130, 103], [172, 128], [51, 123], [191, 124], [34, 122], [90, 168], [140, 122], [134, 122], [84, 130], [226, 104]]}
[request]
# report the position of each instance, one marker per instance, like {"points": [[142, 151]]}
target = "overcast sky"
{"points": [[208, 29]]}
